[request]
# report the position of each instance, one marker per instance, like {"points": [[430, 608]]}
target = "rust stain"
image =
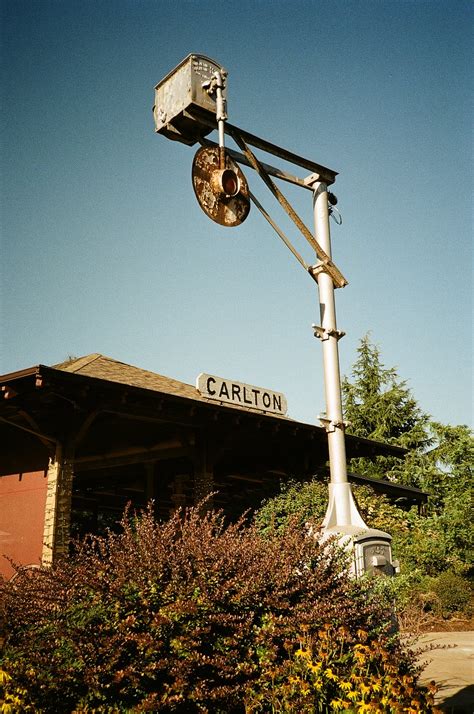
{"points": [[225, 210]]}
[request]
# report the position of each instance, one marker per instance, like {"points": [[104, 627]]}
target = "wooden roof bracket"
{"points": [[46, 440]]}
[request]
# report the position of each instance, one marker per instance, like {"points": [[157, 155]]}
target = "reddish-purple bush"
{"points": [[178, 616]]}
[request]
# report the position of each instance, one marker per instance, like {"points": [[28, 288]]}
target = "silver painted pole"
{"points": [[342, 510], [329, 338]]}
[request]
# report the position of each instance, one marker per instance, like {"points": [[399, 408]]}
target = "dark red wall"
{"points": [[22, 507]]}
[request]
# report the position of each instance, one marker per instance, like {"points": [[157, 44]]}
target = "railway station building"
{"points": [[84, 438]]}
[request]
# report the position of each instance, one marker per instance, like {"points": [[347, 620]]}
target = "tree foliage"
{"points": [[379, 405], [439, 459]]}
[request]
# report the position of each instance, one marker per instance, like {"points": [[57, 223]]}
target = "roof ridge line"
{"points": [[81, 362], [149, 371]]}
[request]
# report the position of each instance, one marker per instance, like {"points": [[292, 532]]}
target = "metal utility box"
{"points": [[373, 553], [182, 92]]}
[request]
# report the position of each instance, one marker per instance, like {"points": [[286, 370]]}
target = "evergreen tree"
{"points": [[440, 458], [379, 405]]}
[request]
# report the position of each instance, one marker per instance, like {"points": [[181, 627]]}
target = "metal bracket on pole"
{"points": [[325, 333], [271, 170], [329, 268], [331, 425], [312, 179]]}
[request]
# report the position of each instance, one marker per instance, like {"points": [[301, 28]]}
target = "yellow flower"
{"points": [[302, 653], [294, 680], [345, 686], [337, 704], [330, 674], [4, 676]]}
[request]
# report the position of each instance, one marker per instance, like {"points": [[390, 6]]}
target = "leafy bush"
{"points": [[173, 617], [298, 502], [454, 594], [419, 542], [186, 616], [308, 501]]}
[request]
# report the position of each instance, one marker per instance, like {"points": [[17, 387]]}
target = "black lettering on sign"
{"points": [[224, 391], [236, 392], [241, 394]]}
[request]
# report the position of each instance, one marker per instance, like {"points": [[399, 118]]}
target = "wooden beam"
{"points": [[130, 456], [86, 425]]}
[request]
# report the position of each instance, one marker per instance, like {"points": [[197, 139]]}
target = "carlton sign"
{"points": [[242, 395]]}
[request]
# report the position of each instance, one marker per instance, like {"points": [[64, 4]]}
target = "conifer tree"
{"points": [[379, 405], [439, 459]]}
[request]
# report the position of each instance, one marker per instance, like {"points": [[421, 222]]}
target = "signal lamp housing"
{"points": [[226, 182], [222, 193]]}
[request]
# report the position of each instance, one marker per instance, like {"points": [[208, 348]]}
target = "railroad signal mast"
{"points": [[190, 103]]}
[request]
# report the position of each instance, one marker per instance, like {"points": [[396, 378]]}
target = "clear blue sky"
{"points": [[104, 248]]}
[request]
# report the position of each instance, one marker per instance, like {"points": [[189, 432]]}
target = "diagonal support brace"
{"points": [[325, 261]]}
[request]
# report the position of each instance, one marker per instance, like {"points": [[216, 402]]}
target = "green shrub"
{"points": [[308, 501], [453, 592], [185, 616]]}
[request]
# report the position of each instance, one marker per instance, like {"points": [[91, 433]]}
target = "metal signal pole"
{"points": [[329, 336], [190, 102], [342, 510]]}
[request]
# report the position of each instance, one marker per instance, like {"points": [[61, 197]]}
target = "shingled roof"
{"points": [[108, 371], [101, 367]]}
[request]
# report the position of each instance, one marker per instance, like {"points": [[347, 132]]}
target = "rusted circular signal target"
{"points": [[222, 192]]}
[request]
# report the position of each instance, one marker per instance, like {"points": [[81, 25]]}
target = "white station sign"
{"points": [[242, 395]]}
